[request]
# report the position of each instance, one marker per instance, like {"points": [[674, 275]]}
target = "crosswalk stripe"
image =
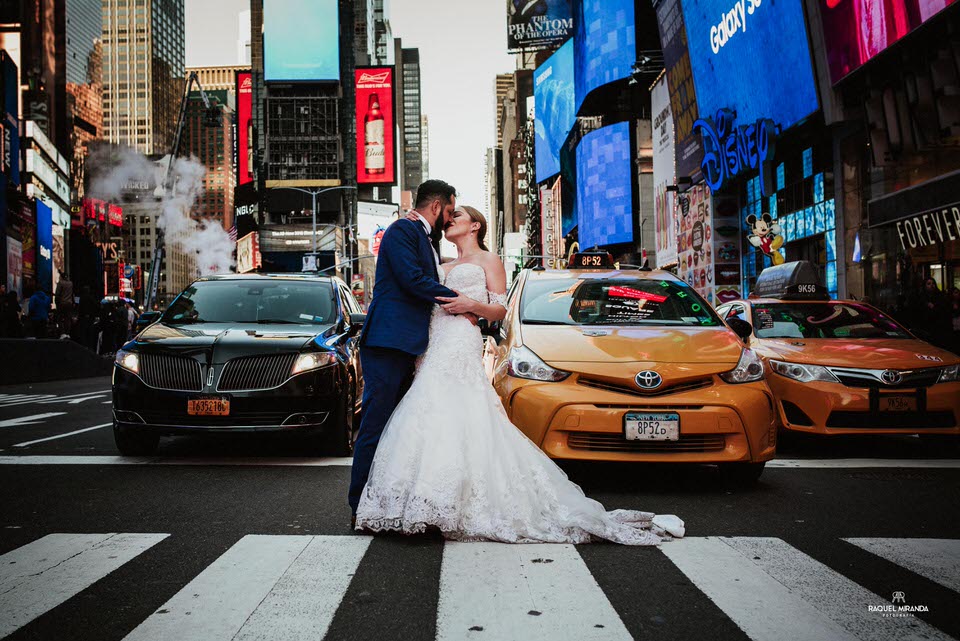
{"points": [[935, 559], [503, 591], [282, 587], [43, 574], [832, 594]]}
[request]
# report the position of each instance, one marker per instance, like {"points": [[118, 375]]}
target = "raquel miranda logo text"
{"points": [[902, 610]]}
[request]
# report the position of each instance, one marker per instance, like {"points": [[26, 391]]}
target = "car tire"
{"points": [[134, 442], [742, 474], [338, 440]]}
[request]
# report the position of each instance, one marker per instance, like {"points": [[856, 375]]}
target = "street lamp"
{"points": [[313, 210]]}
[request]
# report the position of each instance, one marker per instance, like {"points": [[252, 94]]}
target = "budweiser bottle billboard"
{"points": [[374, 156]]}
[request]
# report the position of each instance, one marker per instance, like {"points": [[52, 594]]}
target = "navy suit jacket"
{"points": [[405, 291]]}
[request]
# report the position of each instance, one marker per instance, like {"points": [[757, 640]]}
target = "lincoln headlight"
{"points": [[128, 361], [312, 360]]}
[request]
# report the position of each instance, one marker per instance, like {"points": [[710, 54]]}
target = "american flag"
{"points": [[232, 233]]}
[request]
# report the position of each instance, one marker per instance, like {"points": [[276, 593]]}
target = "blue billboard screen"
{"points": [[605, 43], [44, 247], [605, 187], [301, 40], [734, 66], [554, 111]]}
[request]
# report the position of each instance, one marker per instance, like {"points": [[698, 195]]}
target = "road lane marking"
{"points": [[53, 438], [29, 420], [157, 460], [542, 592], [51, 398], [843, 463], [41, 575], [773, 591], [279, 587], [934, 559]]}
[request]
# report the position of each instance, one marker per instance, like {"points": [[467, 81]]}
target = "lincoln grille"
{"points": [[615, 442], [164, 371], [256, 372]]}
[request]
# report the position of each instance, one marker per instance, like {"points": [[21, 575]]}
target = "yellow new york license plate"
{"points": [[208, 407]]}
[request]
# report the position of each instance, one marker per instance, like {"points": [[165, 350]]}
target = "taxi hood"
{"points": [[613, 344], [873, 353]]}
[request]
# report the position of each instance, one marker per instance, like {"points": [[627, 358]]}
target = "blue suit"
{"points": [[396, 331]]}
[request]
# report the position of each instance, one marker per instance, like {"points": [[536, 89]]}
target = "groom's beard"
{"points": [[437, 232]]}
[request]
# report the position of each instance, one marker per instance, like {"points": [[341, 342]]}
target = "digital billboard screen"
{"points": [[605, 45], [735, 68], [301, 40], [683, 94], [856, 31], [244, 128], [537, 25], [44, 246], [554, 109], [605, 187], [375, 138]]}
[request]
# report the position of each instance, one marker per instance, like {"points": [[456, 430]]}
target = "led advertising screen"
{"points": [[375, 138], [605, 187], [537, 24], [301, 40], [664, 223], [244, 128], [605, 45], [733, 68], [554, 110], [44, 246], [683, 95], [856, 30]]}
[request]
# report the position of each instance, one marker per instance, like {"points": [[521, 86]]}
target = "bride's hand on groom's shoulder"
{"points": [[412, 215]]}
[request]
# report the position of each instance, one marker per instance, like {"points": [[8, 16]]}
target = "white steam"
{"points": [[118, 170]]}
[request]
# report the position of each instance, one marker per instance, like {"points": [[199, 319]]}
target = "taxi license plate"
{"points": [[208, 407], [898, 403], [651, 427]]}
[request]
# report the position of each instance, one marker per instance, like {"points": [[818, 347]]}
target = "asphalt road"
{"points": [[243, 538]]}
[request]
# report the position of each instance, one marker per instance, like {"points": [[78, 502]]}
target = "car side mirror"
{"points": [[741, 328], [356, 323], [146, 319]]}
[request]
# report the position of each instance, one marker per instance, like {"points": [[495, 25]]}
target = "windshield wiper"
{"points": [[536, 321], [277, 321]]}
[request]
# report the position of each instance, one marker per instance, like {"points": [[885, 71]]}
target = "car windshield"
{"points": [[254, 301], [613, 301], [824, 320]]}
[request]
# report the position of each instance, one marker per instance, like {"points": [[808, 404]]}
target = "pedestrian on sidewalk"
{"points": [[64, 297], [39, 313], [10, 324], [131, 321]]}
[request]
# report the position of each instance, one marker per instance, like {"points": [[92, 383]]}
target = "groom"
{"points": [[398, 320]]}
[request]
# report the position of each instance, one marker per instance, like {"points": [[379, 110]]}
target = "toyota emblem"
{"points": [[891, 377], [648, 379]]}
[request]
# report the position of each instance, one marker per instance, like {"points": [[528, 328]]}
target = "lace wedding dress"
{"points": [[449, 457]]}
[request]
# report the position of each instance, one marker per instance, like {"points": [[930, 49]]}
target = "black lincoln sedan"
{"points": [[244, 353]]}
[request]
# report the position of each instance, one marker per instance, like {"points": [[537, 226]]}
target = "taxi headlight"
{"points": [[313, 360], [949, 374], [523, 363], [803, 373], [748, 369], [128, 361]]}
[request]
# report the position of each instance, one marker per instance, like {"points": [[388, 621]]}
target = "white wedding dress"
{"points": [[449, 457]]}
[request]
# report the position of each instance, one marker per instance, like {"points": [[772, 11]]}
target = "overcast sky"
{"points": [[462, 47]]}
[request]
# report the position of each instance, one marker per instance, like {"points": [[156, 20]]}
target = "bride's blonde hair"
{"points": [[477, 217]]}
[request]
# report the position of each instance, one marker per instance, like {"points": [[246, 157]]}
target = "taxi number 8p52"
{"points": [[651, 427]]}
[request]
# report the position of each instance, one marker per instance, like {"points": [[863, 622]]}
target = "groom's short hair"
{"points": [[434, 190]]}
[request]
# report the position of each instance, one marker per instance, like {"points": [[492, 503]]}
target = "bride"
{"points": [[449, 457]]}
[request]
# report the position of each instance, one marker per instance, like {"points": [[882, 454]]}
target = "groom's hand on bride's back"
{"points": [[458, 305]]}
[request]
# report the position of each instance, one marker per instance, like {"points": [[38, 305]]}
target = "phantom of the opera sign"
{"points": [[538, 24]]}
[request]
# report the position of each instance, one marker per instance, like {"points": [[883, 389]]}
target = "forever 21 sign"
{"points": [[930, 227]]}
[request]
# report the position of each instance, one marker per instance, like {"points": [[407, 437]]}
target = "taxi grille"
{"points": [[164, 371], [256, 372], [872, 377], [615, 442], [890, 420], [685, 386]]}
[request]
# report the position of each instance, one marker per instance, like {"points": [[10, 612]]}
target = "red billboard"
{"points": [[855, 31], [115, 215], [375, 140], [244, 128]]}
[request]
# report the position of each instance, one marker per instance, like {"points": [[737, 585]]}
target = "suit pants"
{"points": [[387, 374]]}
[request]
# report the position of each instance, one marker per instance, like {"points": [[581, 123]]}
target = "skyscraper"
{"points": [[143, 72], [83, 60], [411, 139], [425, 145], [213, 147], [504, 83]]}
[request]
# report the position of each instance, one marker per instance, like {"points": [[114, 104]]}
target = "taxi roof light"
{"points": [[797, 280]]}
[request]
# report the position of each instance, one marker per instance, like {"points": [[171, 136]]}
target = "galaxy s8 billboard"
{"points": [[301, 40], [554, 109], [605, 187], [730, 51]]}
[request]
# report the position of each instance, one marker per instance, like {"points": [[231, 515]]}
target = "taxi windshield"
{"points": [[824, 320], [613, 301], [253, 301]]}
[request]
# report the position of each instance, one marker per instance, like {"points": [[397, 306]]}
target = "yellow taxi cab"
{"points": [[605, 364], [842, 366]]}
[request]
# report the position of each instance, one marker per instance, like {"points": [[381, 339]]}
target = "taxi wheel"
{"points": [[742, 474], [132, 442]]}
